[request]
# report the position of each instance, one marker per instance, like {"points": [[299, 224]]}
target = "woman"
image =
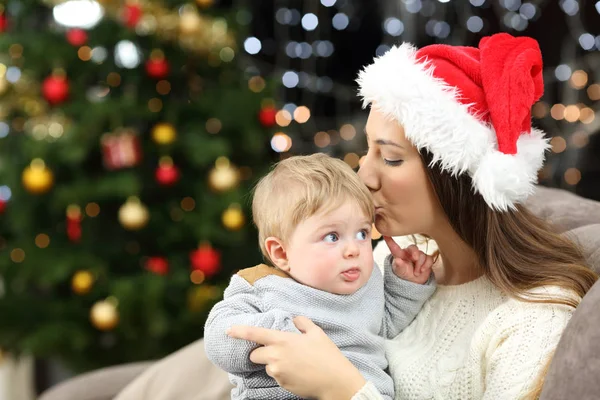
{"points": [[452, 156]]}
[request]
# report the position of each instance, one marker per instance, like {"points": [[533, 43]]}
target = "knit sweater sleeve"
{"points": [[523, 339], [368, 392], [241, 305], [403, 300]]}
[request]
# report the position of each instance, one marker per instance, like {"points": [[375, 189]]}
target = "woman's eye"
{"points": [[393, 163], [331, 237], [362, 235]]}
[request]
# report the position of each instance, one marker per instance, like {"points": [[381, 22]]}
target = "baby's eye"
{"points": [[362, 235], [331, 237]]}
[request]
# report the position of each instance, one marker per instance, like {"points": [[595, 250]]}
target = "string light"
{"points": [[84, 53], [578, 79], [322, 139], [558, 144], [301, 114], [347, 131], [352, 159], [213, 125], [188, 204], [283, 118], [557, 111], [17, 255], [572, 176], [593, 92], [572, 113], [42, 240], [92, 209], [280, 142]]}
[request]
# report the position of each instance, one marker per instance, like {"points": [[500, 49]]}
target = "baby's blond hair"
{"points": [[299, 187]]}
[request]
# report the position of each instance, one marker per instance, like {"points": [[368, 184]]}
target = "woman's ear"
{"points": [[276, 251]]}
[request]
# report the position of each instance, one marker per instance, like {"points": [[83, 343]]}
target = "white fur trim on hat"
{"points": [[427, 108]]}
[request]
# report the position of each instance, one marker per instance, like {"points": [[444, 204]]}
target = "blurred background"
{"points": [[131, 133]]}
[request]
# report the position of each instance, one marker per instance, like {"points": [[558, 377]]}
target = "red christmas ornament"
{"points": [[121, 149], [157, 265], [157, 68], [77, 37], [206, 259], [74, 223], [3, 22], [132, 13], [167, 173], [2, 206], [55, 89], [266, 116]]}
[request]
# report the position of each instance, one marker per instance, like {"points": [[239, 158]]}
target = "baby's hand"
{"points": [[410, 264]]}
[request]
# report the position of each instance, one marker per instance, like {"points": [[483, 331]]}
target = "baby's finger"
{"points": [[414, 252], [403, 268], [426, 266], [395, 249]]}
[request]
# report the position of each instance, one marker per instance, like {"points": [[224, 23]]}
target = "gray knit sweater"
{"points": [[357, 323]]}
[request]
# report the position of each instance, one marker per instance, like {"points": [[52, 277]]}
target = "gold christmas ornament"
{"points": [[205, 3], [233, 218], [133, 215], [104, 315], [82, 282], [189, 22], [164, 133], [37, 178], [3, 82], [223, 176], [202, 296]]}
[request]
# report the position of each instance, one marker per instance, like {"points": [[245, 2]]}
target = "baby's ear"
{"points": [[276, 251]]}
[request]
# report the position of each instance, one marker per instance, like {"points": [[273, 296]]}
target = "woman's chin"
{"points": [[389, 228], [382, 225]]}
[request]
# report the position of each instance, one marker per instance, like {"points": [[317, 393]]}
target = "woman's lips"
{"points": [[352, 274]]}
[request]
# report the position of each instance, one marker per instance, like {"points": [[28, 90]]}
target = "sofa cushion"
{"points": [[102, 384], [564, 209], [573, 373], [588, 239]]}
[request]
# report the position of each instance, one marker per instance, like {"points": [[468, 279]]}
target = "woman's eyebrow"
{"points": [[383, 142]]}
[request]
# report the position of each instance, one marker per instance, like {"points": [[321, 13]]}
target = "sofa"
{"points": [[573, 373]]}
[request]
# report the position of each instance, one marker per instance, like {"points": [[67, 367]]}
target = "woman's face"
{"points": [[405, 202]]}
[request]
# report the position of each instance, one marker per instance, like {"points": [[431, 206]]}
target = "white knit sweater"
{"points": [[471, 341]]}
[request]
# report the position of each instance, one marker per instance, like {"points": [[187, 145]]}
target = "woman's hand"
{"points": [[309, 365]]}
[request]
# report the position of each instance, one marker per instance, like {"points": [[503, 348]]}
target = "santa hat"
{"points": [[469, 107]]}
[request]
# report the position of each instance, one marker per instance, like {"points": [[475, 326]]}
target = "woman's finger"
{"points": [[260, 355], [257, 335], [395, 249], [304, 324]]}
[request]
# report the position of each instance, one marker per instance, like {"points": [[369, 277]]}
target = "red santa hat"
{"points": [[469, 107]]}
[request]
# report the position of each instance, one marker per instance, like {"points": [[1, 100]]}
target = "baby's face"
{"points": [[332, 251]]}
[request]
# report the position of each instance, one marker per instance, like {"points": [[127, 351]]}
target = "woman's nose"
{"points": [[367, 175]]}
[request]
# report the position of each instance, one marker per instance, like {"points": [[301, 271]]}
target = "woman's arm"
{"points": [[522, 347], [309, 364]]}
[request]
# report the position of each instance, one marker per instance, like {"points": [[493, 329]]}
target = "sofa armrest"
{"points": [[102, 384], [573, 373]]}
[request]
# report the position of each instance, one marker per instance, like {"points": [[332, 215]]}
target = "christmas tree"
{"points": [[130, 136]]}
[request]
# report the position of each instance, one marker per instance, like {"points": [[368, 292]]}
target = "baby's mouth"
{"points": [[351, 274]]}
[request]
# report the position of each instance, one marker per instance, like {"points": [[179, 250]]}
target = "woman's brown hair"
{"points": [[517, 250]]}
